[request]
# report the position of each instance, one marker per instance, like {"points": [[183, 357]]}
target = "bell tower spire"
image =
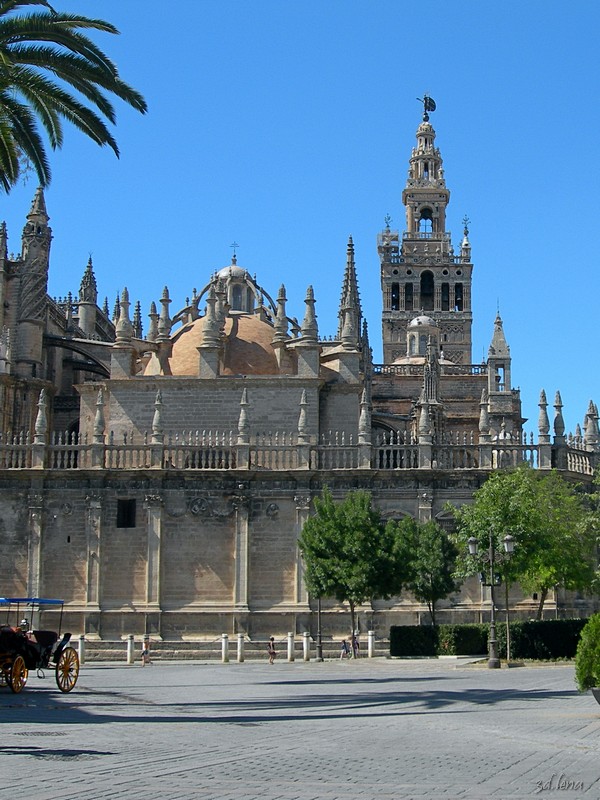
{"points": [[419, 271]]}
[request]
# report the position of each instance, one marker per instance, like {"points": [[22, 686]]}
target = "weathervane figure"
{"points": [[428, 105]]}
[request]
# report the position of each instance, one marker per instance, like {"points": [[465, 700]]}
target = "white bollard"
{"points": [[306, 645], [291, 645], [240, 654], [81, 649], [130, 649], [225, 648], [371, 644]]}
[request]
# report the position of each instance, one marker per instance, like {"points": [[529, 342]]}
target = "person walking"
{"points": [[271, 650], [345, 650], [355, 647]]}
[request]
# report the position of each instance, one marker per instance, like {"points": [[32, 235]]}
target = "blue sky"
{"points": [[287, 127]]}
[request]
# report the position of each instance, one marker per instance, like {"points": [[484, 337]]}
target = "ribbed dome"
{"points": [[248, 349], [232, 271]]}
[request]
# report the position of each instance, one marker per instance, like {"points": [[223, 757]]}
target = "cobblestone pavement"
{"points": [[371, 728]]}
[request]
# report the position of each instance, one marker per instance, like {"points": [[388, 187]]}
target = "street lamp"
{"points": [[319, 633], [492, 557]]}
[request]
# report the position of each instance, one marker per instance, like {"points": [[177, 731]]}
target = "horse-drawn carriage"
{"points": [[24, 647]]}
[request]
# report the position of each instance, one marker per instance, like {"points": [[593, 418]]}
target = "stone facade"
{"points": [[159, 482]]}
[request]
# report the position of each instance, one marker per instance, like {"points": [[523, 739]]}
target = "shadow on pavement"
{"points": [[97, 707]]}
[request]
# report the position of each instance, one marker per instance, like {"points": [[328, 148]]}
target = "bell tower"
{"points": [[420, 273]]}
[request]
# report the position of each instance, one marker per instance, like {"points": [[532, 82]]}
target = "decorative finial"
{"points": [[428, 105], [387, 219], [235, 246], [466, 223]]}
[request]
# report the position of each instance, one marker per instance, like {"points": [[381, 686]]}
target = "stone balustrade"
{"points": [[282, 451]]}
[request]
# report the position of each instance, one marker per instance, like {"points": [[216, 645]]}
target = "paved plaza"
{"points": [[372, 728]]}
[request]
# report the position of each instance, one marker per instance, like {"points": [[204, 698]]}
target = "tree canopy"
{"points": [[432, 562], [554, 529], [44, 56], [350, 553]]}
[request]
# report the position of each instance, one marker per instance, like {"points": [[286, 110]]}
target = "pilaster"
{"points": [[154, 510], [302, 513], [241, 504], [93, 528], [35, 505]]}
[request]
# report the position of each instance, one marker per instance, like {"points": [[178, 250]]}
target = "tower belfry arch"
{"points": [[420, 270]]}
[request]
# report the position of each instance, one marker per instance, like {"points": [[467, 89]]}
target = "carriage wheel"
{"points": [[17, 677], [67, 669]]}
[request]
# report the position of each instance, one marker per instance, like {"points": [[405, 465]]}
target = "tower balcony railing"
{"points": [[412, 370], [287, 451], [436, 236]]}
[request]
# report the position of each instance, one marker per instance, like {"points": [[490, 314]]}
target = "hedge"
{"points": [[543, 639]]}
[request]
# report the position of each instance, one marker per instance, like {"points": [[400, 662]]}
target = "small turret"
{"points": [[88, 298], [498, 360], [33, 275]]}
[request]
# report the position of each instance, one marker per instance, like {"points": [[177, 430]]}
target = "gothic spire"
{"points": [[309, 323], [350, 297], [88, 290], [124, 327], [498, 346], [3, 241], [164, 322], [137, 321], [153, 329], [281, 323], [38, 206]]}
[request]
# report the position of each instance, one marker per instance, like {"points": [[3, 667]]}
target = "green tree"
{"points": [[587, 658], [43, 57], [432, 562], [554, 529], [350, 553]]}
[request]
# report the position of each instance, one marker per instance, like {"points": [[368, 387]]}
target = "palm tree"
{"points": [[44, 56]]}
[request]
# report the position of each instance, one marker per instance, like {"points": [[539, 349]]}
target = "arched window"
{"points": [[445, 297], [427, 291], [408, 297], [395, 297], [425, 221], [458, 297], [422, 344], [412, 345], [236, 298]]}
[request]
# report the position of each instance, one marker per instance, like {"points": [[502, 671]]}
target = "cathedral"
{"points": [[158, 479]]}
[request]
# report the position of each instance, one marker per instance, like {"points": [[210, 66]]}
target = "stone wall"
{"points": [[205, 554]]}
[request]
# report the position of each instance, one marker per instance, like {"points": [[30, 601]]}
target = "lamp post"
{"points": [[492, 557], [319, 635]]}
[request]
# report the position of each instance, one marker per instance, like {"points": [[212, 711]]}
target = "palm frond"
{"points": [[9, 156], [26, 136], [37, 49]]}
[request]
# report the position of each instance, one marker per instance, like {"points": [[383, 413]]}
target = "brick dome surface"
{"points": [[248, 349]]}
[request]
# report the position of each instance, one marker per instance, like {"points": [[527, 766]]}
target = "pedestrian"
{"points": [[146, 660], [345, 651], [355, 647], [271, 650]]}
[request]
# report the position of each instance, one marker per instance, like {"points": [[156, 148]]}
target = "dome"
{"points": [[425, 128], [232, 271], [421, 321], [248, 349]]}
